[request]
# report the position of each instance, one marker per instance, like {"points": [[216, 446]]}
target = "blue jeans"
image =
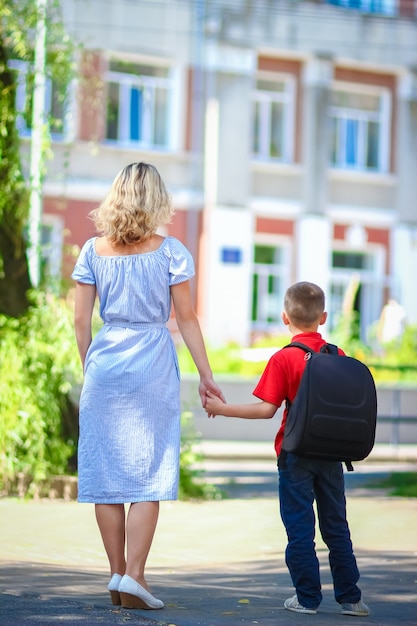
{"points": [[301, 481]]}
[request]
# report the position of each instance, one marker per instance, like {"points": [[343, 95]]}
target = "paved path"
{"points": [[215, 563]]}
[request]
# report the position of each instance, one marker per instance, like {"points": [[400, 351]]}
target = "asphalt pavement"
{"points": [[217, 563]]}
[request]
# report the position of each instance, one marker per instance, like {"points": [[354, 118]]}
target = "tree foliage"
{"points": [[18, 21], [14, 202]]}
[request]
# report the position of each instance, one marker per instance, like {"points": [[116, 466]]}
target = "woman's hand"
{"points": [[207, 385]]}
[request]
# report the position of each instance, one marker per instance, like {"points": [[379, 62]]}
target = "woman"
{"points": [[129, 442]]}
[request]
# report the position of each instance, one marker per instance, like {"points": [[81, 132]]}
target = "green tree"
{"points": [[14, 202], [17, 27]]}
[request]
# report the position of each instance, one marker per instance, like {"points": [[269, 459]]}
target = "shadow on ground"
{"points": [[231, 594]]}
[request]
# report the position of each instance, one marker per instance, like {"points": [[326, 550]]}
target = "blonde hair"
{"points": [[304, 303], [136, 205]]}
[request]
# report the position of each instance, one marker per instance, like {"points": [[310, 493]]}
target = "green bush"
{"points": [[37, 370], [192, 482], [402, 484]]}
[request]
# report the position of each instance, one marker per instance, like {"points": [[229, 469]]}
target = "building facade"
{"points": [[286, 132]]}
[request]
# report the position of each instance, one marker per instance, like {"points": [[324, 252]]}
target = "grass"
{"points": [[400, 484]]}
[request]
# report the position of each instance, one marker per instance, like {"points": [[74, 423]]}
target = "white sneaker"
{"points": [[292, 604], [359, 608]]}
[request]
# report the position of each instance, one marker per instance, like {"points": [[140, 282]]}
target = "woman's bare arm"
{"points": [[85, 296], [190, 330]]}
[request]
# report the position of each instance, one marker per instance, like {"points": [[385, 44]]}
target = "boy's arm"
{"points": [[256, 411]]}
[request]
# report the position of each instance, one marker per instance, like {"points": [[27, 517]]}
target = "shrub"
{"points": [[192, 483], [36, 374]]}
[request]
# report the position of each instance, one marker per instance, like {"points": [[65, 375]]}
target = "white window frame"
{"points": [[265, 98], [362, 117], [373, 282], [148, 84], [21, 95], [52, 249], [281, 271]]}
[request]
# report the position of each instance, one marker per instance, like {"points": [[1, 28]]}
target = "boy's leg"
{"points": [[331, 508], [296, 505]]}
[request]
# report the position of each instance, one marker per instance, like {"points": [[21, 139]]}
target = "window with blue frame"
{"points": [[360, 128], [139, 104], [381, 7]]}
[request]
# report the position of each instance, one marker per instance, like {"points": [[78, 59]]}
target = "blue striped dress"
{"points": [[129, 441]]}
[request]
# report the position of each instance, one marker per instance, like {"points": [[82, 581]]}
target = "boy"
{"points": [[303, 480]]}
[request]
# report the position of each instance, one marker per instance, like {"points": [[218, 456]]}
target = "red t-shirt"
{"points": [[282, 376]]}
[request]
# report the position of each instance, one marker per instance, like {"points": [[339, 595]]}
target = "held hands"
{"points": [[206, 386], [214, 404]]}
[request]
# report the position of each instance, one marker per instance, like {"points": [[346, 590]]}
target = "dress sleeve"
{"points": [[83, 272], [181, 267]]}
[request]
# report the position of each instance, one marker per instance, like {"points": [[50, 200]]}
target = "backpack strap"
{"points": [[307, 350], [297, 344], [329, 348]]}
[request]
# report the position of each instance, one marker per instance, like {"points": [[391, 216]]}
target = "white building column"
{"points": [[313, 233], [406, 148], [404, 261], [404, 234], [229, 286], [227, 239], [313, 244], [317, 81]]}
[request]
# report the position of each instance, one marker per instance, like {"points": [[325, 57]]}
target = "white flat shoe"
{"points": [[113, 588], [134, 596]]}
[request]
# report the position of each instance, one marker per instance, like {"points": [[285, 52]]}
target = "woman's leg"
{"points": [[111, 522], [140, 529]]}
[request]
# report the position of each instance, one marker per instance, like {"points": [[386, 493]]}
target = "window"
{"points": [[273, 123], [360, 129], [357, 284], [52, 238], [382, 7], [269, 282], [139, 104], [57, 106]]}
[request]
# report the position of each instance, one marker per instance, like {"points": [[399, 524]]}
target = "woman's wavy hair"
{"points": [[136, 205]]}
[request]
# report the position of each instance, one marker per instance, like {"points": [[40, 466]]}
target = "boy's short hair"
{"points": [[304, 303]]}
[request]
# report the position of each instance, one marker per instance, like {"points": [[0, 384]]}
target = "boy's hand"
{"points": [[214, 405], [209, 386]]}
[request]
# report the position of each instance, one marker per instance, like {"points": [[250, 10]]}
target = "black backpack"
{"points": [[333, 415]]}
